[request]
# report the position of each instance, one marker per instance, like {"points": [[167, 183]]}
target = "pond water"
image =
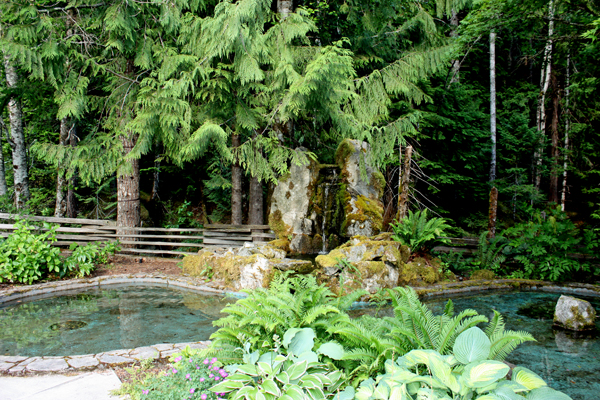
{"points": [[567, 361], [106, 319]]}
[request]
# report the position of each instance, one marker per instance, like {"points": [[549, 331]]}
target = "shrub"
{"points": [[26, 257], [419, 232], [84, 259]]}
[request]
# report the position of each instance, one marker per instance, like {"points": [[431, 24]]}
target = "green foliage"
{"points": [[419, 232], [371, 341], [84, 259], [291, 371], [296, 302], [190, 377], [468, 373], [543, 246], [26, 256]]}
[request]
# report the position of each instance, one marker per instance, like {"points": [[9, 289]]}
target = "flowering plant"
{"points": [[189, 378]]}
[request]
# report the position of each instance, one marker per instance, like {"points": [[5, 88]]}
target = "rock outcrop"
{"points": [[574, 314], [248, 267]]}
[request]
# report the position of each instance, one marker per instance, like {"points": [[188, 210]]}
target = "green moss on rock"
{"points": [[485, 274], [281, 229]]}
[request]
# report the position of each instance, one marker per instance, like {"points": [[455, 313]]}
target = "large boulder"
{"points": [[289, 208], [362, 263], [574, 314], [362, 186], [248, 267]]}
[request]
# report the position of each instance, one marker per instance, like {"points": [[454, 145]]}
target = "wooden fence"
{"points": [[145, 240]]}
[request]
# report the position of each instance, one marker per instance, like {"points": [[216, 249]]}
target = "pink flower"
{"points": [[178, 359], [217, 378], [187, 376], [197, 367], [192, 390], [190, 360], [205, 361], [203, 396], [145, 391], [201, 379], [174, 371], [214, 360]]}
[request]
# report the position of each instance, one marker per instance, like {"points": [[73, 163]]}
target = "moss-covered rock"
{"points": [[419, 272], [281, 244], [574, 314]]}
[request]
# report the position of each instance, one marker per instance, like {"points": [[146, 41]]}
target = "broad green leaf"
{"points": [[332, 350], [271, 387], [283, 377], [310, 381], [295, 392], [472, 345], [248, 369], [505, 393], [512, 385], [239, 378], [527, 378], [309, 356], [484, 373], [265, 368], [227, 386], [346, 394], [303, 341], [288, 336], [296, 370], [316, 393], [546, 393]]}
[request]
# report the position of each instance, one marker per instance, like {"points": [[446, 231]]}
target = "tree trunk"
{"points": [[553, 198], [563, 196], [156, 179], [236, 186], [541, 108], [493, 104], [256, 203], [454, 33], [60, 209], [3, 185], [284, 8], [403, 195], [19, 151], [492, 217], [128, 188], [71, 199]]}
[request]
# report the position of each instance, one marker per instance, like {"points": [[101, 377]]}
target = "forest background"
{"points": [[176, 113]]}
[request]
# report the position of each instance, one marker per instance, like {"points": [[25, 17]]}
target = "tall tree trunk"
{"points": [[256, 209], [236, 186], [19, 151], [454, 33], [493, 104], [3, 185], [284, 8], [553, 198], [71, 199], [541, 108], [156, 178], [403, 195], [493, 211], [563, 196], [60, 209], [128, 188]]}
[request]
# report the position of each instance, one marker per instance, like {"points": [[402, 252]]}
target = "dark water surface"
{"points": [[100, 320]]}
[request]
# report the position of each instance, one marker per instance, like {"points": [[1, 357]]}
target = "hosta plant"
{"points": [[293, 370], [466, 374]]}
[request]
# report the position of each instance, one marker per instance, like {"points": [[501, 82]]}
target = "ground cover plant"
{"points": [[27, 255]]}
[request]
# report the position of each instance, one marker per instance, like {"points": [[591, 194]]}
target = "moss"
{"points": [[344, 150], [282, 244], [281, 229], [485, 274], [329, 260], [193, 265], [418, 272], [378, 182]]}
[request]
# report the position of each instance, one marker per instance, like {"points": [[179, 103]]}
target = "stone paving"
{"points": [[18, 364]]}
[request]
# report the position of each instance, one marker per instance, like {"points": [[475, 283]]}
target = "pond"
{"points": [[94, 321], [567, 361]]}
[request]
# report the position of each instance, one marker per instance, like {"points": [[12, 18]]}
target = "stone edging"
{"points": [[20, 364]]}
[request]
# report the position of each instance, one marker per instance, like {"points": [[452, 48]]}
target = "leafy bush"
{"points": [[418, 232], [542, 246], [26, 256], [296, 302], [84, 259], [466, 374], [369, 341], [291, 372]]}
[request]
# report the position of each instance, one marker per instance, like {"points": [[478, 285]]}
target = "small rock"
{"points": [[48, 365], [113, 360], [83, 362], [574, 314]]}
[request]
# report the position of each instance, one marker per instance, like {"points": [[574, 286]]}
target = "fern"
{"points": [[419, 232]]}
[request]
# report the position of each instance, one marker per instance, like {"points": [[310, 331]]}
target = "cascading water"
{"points": [[329, 188]]}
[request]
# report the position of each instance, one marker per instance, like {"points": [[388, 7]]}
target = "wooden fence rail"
{"points": [[145, 240]]}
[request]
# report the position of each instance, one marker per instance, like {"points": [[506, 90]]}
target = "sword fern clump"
{"points": [[419, 232], [266, 314], [369, 341]]}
